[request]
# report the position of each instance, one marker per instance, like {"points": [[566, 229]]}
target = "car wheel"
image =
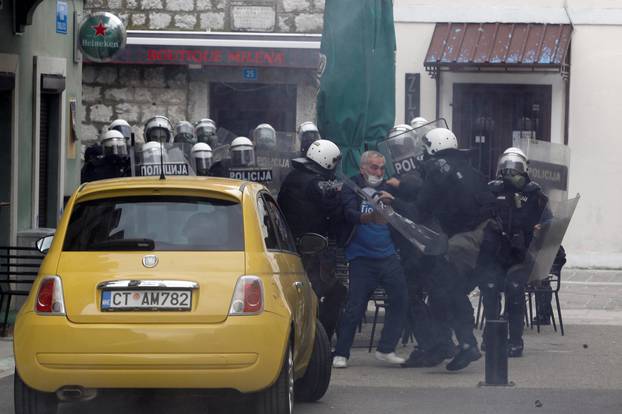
{"points": [[31, 401], [279, 398], [313, 385]]}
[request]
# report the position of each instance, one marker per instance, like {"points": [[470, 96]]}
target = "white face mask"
{"points": [[373, 181]]}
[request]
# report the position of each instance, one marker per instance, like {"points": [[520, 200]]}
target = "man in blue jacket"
{"points": [[373, 262]]}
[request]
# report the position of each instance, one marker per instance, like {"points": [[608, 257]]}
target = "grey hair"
{"points": [[370, 154]]}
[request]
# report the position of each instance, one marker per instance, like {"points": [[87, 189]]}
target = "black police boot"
{"points": [[515, 349], [464, 358]]}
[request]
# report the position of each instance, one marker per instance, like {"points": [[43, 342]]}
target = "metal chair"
{"points": [[550, 284]]}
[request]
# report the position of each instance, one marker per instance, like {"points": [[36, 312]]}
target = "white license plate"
{"points": [[148, 300]]}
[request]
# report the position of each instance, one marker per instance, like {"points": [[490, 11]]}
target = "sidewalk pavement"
{"points": [[587, 296]]}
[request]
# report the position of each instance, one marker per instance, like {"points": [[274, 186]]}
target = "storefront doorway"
{"points": [[240, 107], [486, 117]]}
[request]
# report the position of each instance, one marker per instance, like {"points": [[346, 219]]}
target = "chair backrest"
{"points": [[19, 264]]}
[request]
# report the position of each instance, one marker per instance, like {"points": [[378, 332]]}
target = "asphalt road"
{"points": [[578, 373]]}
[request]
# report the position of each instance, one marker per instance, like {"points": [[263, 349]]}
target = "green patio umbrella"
{"points": [[356, 101]]}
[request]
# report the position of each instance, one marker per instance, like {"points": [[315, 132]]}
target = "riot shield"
{"points": [[426, 240], [548, 165], [277, 159], [546, 241], [150, 159], [403, 152]]}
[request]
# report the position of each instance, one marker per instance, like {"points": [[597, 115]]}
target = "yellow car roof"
{"points": [[220, 185]]}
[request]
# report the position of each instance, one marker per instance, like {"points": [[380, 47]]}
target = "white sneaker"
{"points": [[391, 358], [340, 362]]}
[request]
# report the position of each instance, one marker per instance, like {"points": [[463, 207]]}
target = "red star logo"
{"points": [[100, 29]]}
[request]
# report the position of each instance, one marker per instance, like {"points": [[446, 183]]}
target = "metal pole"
{"points": [[496, 337]]}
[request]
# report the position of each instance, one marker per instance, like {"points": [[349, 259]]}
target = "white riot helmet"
{"points": [[242, 152], [324, 153], [511, 163], [307, 134], [516, 151], [439, 139], [113, 144], [123, 127], [205, 131], [158, 129], [153, 152], [264, 136], [418, 121], [184, 133], [400, 130], [202, 158]]}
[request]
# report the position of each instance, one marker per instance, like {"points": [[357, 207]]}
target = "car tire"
{"points": [[30, 401], [313, 385], [279, 398]]}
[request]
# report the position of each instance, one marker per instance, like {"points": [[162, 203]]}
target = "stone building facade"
{"points": [[136, 91]]}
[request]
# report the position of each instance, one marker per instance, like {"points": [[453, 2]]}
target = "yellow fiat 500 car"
{"points": [[179, 283]]}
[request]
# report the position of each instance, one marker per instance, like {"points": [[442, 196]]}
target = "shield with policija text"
{"points": [[403, 150], [548, 165], [154, 158]]}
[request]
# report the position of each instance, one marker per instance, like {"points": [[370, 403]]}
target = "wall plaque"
{"points": [[253, 18]]}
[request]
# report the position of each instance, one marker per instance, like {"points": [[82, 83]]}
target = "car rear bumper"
{"points": [[242, 353]]}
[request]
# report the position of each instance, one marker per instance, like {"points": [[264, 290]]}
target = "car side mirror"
{"points": [[311, 243], [44, 243]]}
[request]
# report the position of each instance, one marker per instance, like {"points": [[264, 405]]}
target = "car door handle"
{"points": [[299, 285]]}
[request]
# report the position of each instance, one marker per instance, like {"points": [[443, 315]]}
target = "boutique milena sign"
{"points": [[101, 36]]}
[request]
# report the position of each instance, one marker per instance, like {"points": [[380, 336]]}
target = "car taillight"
{"points": [[247, 297], [50, 297]]}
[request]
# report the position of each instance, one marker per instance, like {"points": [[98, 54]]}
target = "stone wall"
{"points": [[285, 16], [133, 93]]}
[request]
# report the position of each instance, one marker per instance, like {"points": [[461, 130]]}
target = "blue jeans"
{"points": [[366, 274]]}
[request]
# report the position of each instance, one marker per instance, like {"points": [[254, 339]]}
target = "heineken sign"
{"points": [[101, 36]]}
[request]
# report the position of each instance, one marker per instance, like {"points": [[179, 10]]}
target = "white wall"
{"points": [[595, 235]]}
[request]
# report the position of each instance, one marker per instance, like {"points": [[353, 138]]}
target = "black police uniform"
{"points": [[518, 211], [434, 339], [103, 167], [311, 204], [456, 195]]}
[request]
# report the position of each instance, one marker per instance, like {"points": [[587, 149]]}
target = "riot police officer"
{"points": [[123, 127], [521, 210], [202, 158], [307, 134], [242, 155], [114, 161], [184, 133], [309, 198], [417, 122], [158, 129], [205, 131], [264, 137], [456, 196]]}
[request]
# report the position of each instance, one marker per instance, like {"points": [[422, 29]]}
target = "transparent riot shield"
{"points": [[548, 165], [403, 152], [546, 241], [277, 159], [152, 158], [426, 240]]}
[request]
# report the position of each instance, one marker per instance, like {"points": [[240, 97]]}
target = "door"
{"points": [[293, 278], [486, 117], [5, 166], [240, 107], [49, 168]]}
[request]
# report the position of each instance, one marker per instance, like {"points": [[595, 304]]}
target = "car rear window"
{"points": [[162, 223]]}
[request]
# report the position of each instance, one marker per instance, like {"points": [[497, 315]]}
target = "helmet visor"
{"points": [[204, 132], [125, 130], [511, 167], [114, 147], [202, 162], [265, 137], [158, 134], [243, 156], [308, 138]]}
